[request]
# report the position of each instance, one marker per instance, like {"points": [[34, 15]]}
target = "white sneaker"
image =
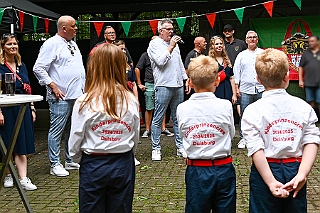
{"points": [[71, 166], [167, 133], [59, 171], [242, 144], [156, 155], [136, 162], [27, 185], [146, 134], [8, 181], [182, 153]]}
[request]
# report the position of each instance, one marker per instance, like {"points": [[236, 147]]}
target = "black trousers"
{"points": [[106, 183]]}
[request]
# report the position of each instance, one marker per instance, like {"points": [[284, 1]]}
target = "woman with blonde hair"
{"points": [[10, 62], [226, 88], [104, 133]]}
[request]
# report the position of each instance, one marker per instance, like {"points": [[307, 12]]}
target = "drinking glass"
{"points": [[0, 84], [10, 81]]}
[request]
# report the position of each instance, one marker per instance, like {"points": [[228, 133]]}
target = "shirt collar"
{"points": [[274, 92], [202, 95]]}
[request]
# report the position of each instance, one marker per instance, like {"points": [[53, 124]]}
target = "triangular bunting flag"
{"points": [[211, 18], [35, 23], [98, 26], [1, 14], [181, 22], [21, 20], [269, 7], [126, 27], [154, 26], [239, 13], [298, 3], [46, 24]]}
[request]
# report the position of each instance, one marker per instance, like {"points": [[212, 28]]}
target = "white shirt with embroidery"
{"points": [[280, 124], [94, 131], [206, 126]]}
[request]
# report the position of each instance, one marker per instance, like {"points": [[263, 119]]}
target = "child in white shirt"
{"points": [[282, 140], [206, 127], [104, 132]]}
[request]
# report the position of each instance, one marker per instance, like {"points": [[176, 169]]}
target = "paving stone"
{"points": [[159, 186]]}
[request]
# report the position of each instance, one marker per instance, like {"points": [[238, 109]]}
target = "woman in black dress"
{"points": [[10, 62], [226, 88]]}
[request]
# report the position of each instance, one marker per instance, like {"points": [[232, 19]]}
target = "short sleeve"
{"points": [[187, 61], [311, 132], [303, 60], [251, 131], [141, 63]]}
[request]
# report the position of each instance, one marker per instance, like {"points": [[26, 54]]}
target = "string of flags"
{"points": [[211, 17], [126, 25], [21, 15]]}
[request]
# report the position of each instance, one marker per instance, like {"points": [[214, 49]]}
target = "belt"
{"points": [[103, 154], [283, 160], [215, 162]]}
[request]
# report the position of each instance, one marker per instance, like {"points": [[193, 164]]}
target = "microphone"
{"points": [[180, 41]]}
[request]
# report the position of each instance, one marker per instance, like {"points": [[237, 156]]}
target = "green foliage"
{"points": [[137, 30], [36, 37], [141, 29]]}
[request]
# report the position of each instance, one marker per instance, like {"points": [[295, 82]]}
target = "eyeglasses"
{"points": [[72, 49], [169, 29], [227, 30], [252, 37], [110, 33], [7, 35]]}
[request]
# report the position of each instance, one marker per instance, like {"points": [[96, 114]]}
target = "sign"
{"points": [[289, 34]]}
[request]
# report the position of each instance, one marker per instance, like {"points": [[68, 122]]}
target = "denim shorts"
{"points": [[149, 96], [313, 93]]}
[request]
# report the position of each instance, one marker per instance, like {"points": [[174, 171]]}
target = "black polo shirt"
{"points": [[311, 65], [192, 54], [234, 48], [144, 65]]}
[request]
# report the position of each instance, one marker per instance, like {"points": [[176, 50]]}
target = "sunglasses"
{"points": [[72, 49], [7, 35]]}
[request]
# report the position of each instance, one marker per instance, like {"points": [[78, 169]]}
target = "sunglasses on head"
{"points": [[7, 35]]}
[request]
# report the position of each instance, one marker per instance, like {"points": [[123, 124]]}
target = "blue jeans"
{"points": [[165, 96], [60, 119], [262, 200], [211, 188], [245, 100]]}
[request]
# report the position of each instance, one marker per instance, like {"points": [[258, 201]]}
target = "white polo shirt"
{"points": [[206, 126], [280, 124], [94, 131]]}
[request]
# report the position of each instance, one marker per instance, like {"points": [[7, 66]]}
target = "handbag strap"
{"points": [[10, 68]]}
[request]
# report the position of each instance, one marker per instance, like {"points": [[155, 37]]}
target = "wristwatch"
{"points": [[34, 110]]}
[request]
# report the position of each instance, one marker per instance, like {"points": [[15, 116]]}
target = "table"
{"points": [[7, 101]]}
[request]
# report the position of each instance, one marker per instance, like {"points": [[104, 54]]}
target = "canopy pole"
{"points": [[12, 28]]}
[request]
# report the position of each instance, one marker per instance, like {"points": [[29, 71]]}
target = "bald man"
{"points": [[200, 45], [60, 69]]}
